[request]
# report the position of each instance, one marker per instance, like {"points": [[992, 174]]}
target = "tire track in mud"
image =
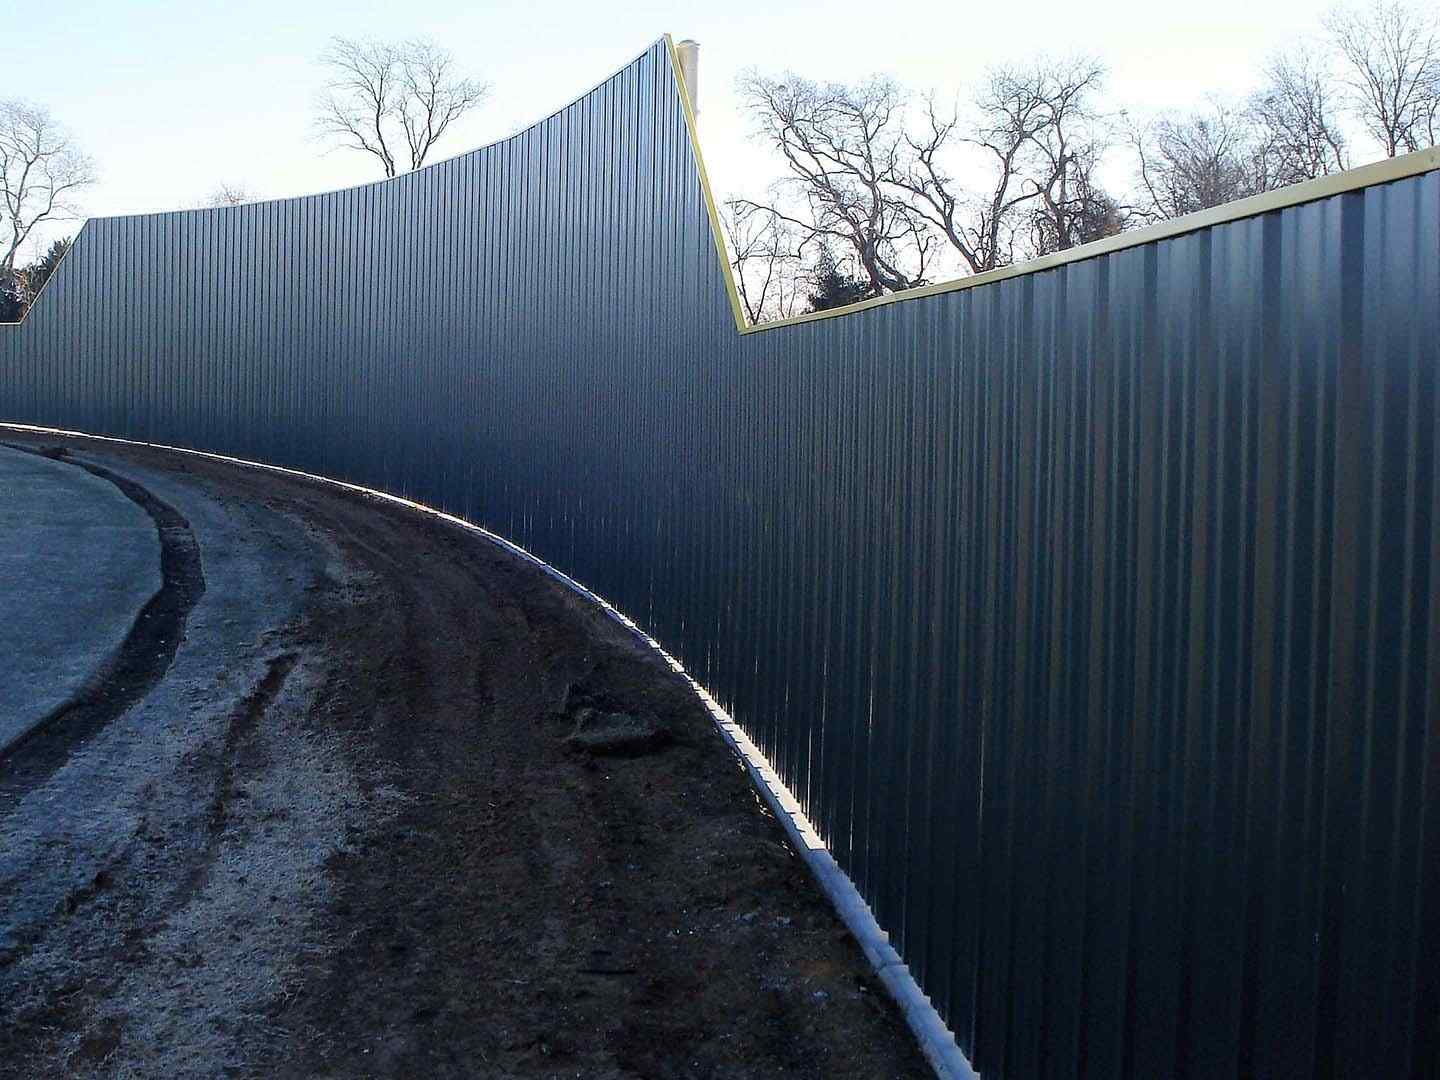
{"points": [[134, 668], [243, 722], [500, 904], [241, 726]]}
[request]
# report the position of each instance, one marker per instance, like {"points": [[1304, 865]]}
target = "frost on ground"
{"points": [[229, 835], [403, 806], [160, 890], [241, 941]]}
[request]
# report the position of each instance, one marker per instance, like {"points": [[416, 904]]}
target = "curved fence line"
{"points": [[1090, 613]]}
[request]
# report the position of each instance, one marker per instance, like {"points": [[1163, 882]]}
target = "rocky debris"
{"points": [[618, 733]]}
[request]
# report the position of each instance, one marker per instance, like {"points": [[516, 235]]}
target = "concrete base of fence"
{"points": [[935, 1038]]}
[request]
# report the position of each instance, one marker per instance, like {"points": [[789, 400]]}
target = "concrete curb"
{"points": [[936, 1040]]}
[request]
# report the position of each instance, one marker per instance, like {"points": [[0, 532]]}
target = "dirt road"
{"points": [[346, 831]]}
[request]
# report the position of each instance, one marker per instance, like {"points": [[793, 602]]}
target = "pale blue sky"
{"points": [[171, 98]]}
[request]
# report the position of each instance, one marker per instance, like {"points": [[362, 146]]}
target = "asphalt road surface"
{"points": [[79, 560], [359, 793]]}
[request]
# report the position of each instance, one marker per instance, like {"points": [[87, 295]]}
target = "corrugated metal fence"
{"points": [[1091, 614]]}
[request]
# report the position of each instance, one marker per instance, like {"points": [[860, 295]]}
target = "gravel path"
{"points": [[400, 805]]}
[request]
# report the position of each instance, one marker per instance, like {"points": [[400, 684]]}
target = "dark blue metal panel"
{"points": [[1091, 614]]}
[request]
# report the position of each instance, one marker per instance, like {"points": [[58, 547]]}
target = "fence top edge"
{"points": [[1364, 176], [662, 40]]}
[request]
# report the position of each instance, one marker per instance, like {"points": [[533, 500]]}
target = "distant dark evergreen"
{"points": [[19, 288], [38, 272], [834, 287], [12, 297]]}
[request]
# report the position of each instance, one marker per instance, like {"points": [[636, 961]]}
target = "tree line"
{"points": [[883, 190]]}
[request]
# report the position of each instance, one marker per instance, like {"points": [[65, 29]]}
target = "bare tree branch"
{"points": [[432, 97], [1062, 157], [767, 254], [1296, 113], [227, 194], [1037, 127], [1018, 168], [41, 172], [1392, 59], [841, 147], [1196, 161], [393, 101]]}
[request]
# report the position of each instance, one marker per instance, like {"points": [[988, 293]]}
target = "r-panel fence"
{"points": [[1091, 613]]}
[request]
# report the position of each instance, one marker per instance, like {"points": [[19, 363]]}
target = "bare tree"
{"points": [[1036, 127], [1063, 156], [1018, 168], [1192, 162], [1392, 59], [976, 226], [41, 172], [394, 101], [1296, 113], [767, 254], [842, 151], [1075, 211], [227, 194]]}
